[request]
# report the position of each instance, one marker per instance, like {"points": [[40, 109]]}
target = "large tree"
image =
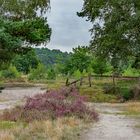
{"points": [[116, 27], [79, 60], [22, 24]]}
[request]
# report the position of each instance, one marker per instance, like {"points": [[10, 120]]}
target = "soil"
{"points": [[12, 96]]}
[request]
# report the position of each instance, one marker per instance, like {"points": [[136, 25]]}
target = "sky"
{"points": [[68, 30]]}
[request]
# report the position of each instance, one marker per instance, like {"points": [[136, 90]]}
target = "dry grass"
{"points": [[132, 108], [6, 136], [61, 129]]}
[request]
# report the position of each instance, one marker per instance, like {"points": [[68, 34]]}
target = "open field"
{"points": [[113, 118]]}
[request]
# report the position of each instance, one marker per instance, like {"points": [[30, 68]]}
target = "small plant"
{"points": [[53, 104]]}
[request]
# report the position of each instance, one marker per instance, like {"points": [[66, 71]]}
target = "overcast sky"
{"points": [[68, 30]]}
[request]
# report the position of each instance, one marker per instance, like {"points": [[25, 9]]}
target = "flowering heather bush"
{"points": [[52, 104]]}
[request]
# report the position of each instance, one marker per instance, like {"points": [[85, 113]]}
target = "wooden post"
{"points": [[67, 81], [81, 81], [89, 78], [114, 84]]}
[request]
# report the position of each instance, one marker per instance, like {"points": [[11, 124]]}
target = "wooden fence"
{"points": [[89, 77]]}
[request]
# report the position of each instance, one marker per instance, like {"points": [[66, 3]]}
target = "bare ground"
{"points": [[15, 95], [112, 126]]}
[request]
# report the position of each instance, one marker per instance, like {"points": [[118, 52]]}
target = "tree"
{"points": [[51, 57], [100, 66], [25, 62], [80, 60], [22, 25], [116, 27]]}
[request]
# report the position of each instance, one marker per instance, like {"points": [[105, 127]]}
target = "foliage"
{"points": [[100, 66], [126, 94], [23, 9], [79, 60], [131, 72], [135, 92], [21, 27], [39, 73], [115, 32], [11, 72], [25, 62], [51, 74], [51, 57], [77, 74], [53, 104]]}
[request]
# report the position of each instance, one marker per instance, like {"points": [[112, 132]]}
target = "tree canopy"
{"points": [[79, 60], [116, 27], [23, 9], [22, 24]]}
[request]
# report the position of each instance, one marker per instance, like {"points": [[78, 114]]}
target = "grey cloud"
{"points": [[68, 30]]}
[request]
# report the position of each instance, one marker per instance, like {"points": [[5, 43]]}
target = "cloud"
{"points": [[68, 30]]}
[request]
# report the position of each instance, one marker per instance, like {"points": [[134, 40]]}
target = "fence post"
{"points": [[89, 78], [81, 81], [114, 84], [67, 81]]}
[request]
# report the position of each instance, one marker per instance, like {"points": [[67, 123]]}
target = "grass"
{"points": [[137, 126], [96, 92], [6, 125], [97, 95], [68, 128], [132, 108]]}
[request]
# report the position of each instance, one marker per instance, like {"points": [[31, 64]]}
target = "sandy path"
{"points": [[112, 126], [15, 95]]}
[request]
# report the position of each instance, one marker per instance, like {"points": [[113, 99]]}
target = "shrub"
{"points": [[126, 94], [100, 66], [135, 91], [131, 72], [51, 74], [77, 74], [53, 104], [11, 72], [110, 89], [39, 73]]}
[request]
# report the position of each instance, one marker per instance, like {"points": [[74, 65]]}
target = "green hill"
{"points": [[50, 57]]}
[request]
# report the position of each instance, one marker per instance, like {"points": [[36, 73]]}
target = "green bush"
{"points": [[135, 91], [126, 94], [110, 89], [10, 73], [51, 74], [39, 73], [77, 74], [131, 72]]}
